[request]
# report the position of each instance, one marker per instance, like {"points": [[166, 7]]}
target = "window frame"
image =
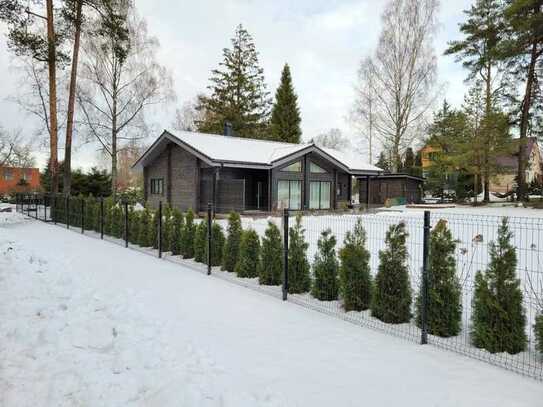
{"points": [[315, 168], [290, 193], [328, 204], [156, 186], [296, 171]]}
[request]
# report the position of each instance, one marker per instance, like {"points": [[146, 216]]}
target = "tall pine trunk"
{"points": [[53, 136], [71, 102], [114, 148], [488, 107]]}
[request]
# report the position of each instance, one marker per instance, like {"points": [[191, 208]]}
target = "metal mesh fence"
{"points": [[368, 269]]}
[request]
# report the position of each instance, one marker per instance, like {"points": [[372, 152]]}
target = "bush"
{"points": [[153, 232], [498, 316], [200, 242], [355, 280], [249, 254], [270, 269], [391, 301], [233, 240], [117, 223], [144, 227], [187, 236], [444, 310], [108, 216], [325, 268], [167, 226], [90, 212], [217, 245], [134, 222], [176, 232], [538, 327], [298, 266]]}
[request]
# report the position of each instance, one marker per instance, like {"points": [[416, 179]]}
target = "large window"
{"points": [[319, 195], [289, 194], [294, 167], [157, 186], [316, 169]]}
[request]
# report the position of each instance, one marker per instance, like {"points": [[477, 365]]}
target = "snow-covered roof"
{"points": [[246, 152]]}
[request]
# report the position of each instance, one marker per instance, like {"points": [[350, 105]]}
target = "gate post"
{"points": [[209, 225], [159, 229], [425, 266], [82, 215], [102, 217], [126, 224], [67, 212], [285, 254]]}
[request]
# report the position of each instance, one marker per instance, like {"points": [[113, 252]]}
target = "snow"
{"points": [[88, 322]]}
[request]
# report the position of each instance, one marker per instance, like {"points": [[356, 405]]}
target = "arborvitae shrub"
{"points": [[355, 280], [116, 221], [538, 327], [90, 212], [298, 266], [134, 222], [391, 300], [167, 223], [249, 252], [176, 231], [153, 233], [325, 268], [270, 269], [498, 316], [200, 242], [108, 216], [98, 215], [187, 236], [233, 239], [145, 225], [217, 245], [444, 307]]}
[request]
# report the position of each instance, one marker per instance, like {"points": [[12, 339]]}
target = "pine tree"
{"points": [[383, 162], [200, 242], [391, 301], [217, 245], [249, 254], [444, 291], [498, 316], [271, 265], [238, 91], [538, 327], [233, 239], [144, 239], [187, 236], [298, 267], [354, 273], [176, 232], [285, 116], [325, 268]]}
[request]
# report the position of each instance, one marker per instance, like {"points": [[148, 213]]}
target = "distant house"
{"points": [[188, 170], [17, 179]]}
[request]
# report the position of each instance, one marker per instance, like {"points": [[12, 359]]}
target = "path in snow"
{"points": [[86, 322]]}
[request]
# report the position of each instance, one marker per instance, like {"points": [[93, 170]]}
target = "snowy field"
{"points": [[84, 322]]}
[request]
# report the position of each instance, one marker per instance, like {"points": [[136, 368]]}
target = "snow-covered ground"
{"points": [[84, 322]]}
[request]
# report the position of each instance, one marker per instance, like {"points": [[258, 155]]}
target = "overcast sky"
{"points": [[323, 41]]}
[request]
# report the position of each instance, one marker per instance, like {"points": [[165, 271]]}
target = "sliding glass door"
{"points": [[289, 194], [319, 195]]}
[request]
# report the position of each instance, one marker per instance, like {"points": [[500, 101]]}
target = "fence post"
{"points": [[160, 229], [126, 224], [54, 209], [67, 212], [102, 217], [209, 212], [44, 200], [285, 254], [82, 215], [425, 264]]}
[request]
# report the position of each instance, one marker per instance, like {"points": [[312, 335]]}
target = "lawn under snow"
{"points": [[84, 322]]}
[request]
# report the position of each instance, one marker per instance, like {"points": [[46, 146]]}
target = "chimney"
{"points": [[228, 129]]}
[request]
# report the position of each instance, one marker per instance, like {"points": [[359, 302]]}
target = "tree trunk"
{"points": [[114, 145], [53, 136], [71, 102], [488, 107], [526, 102], [475, 188]]}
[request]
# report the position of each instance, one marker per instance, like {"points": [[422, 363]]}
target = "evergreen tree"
{"points": [[383, 162], [298, 267], [249, 254], [167, 227], [271, 264], [391, 301], [538, 327], [176, 232], [409, 161], [238, 91], [444, 292], [217, 245], [498, 316], [134, 221], [200, 242], [354, 273], [325, 268], [144, 240], [285, 116], [187, 236], [108, 216], [90, 212], [233, 239], [153, 231]]}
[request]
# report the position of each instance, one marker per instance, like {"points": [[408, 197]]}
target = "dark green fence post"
{"points": [[126, 224], [101, 217], [425, 266], [285, 254], [67, 212], [82, 215], [159, 229], [209, 224]]}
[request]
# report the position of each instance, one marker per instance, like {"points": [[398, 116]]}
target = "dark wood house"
{"points": [[188, 170], [398, 189]]}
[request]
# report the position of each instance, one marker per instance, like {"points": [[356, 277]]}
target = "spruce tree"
{"points": [[217, 245], [298, 266], [444, 307], [249, 254], [233, 239], [325, 268], [538, 327], [200, 242], [355, 280], [238, 91], [270, 268], [187, 236], [498, 315], [391, 302], [144, 227], [285, 117], [176, 232]]}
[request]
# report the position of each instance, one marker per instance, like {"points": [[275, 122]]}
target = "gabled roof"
{"points": [[511, 160], [217, 150]]}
